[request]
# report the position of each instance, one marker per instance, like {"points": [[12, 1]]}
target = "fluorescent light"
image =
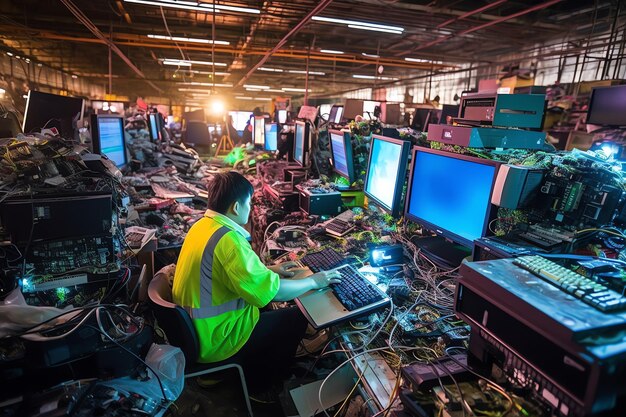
{"points": [[262, 99], [10, 53], [370, 55], [210, 72], [416, 60], [304, 72], [243, 98], [372, 77], [186, 5], [357, 23], [2, 91], [273, 90], [207, 84], [270, 69], [259, 87], [189, 62], [331, 51], [74, 76], [375, 29], [295, 90], [183, 39], [231, 8], [254, 89]]}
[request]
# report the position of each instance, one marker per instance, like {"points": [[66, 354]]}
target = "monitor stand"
{"points": [[441, 251]]}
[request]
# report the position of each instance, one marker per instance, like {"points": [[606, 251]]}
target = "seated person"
{"points": [[223, 284]]}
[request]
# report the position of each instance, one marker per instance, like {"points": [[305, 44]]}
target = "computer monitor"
{"points": [[607, 106], [282, 116], [51, 110], [325, 111], [240, 119], [271, 137], [341, 147], [422, 118], [386, 172], [451, 110], [154, 126], [301, 143], [258, 132], [335, 115], [197, 133], [450, 195], [107, 137]]}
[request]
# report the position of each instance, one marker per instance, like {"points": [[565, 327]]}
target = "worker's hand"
{"points": [[284, 269], [325, 278]]}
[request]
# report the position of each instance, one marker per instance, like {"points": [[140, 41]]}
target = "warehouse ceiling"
{"points": [[164, 47]]}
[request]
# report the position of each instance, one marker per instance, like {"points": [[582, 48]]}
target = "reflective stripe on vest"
{"points": [[207, 309]]}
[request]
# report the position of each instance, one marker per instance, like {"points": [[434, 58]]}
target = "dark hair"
{"points": [[225, 188]]}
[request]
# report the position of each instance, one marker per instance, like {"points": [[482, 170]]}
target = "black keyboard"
{"points": [[338, 227], [583, 288], [355, 291], [323, 260]]}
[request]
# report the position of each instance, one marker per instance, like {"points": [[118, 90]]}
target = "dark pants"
{"points": [[270, 350]]}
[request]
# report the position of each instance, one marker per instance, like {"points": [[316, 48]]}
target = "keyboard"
{"points": [[355, 291], [323, 260], [585, 289], [338, 227]]}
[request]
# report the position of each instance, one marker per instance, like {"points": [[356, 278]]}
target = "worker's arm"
{"points": [[290, 289]]}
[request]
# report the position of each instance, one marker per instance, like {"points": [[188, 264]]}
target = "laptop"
{"points": [[323, 309]]}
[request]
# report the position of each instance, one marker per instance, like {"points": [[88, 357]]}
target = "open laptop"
{"points": [[323, 309]]}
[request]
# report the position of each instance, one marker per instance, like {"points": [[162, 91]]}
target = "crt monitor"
{"points": [[154, 126], [386, 172], [450, 195], [607, 106], [271, 137], [335, 115], [107, 137], [341, 147], [258, 131], [51, 110], [301, 143]]}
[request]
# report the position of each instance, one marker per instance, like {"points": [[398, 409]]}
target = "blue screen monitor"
{"points": [[271, 137], [301, 143], [386, 172], [107, 136], [450, 194], [258, 131], [341, 147], [153, 126]]}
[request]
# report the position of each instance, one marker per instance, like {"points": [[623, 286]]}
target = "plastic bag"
{"points": [[169, 363]]}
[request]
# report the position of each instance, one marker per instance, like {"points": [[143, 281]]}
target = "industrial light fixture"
{"points": [[304, 72], [207, 84], [195, 5], [295, 90], [361, 25], [372, 77], [210, 72], [10, 53], [266, 69], [184, 39], [189, 62], [74, 76], [331, 51], [243, 98], [375, 29], [416, 60], [256, 87], [370, 55], [262, 99], [274, 90]]}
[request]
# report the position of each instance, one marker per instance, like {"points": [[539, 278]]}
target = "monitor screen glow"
{"points": [[451, 194], [259, 131], [240, 119], [282, 116], [111, 131], [298, 146], [339, 154], [153, 125], [271, 137], [383, 171]]}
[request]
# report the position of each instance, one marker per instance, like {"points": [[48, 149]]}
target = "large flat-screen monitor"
{"points": [[422, 118], [450, 195], [341, 147], [197, 133], [607, 106], [386, 172], [271, 137], [51, 110], [301, 143], [107, 137], [451, 110], [258, 131], [154, 126], [240, 119], [336, 113]]}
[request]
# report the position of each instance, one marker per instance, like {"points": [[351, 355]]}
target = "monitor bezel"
{"points": [[96, 145], [447, 234], [591, 101], [269, 125], [347, 147], [30, 97], [305, 145], [395, 208]]}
